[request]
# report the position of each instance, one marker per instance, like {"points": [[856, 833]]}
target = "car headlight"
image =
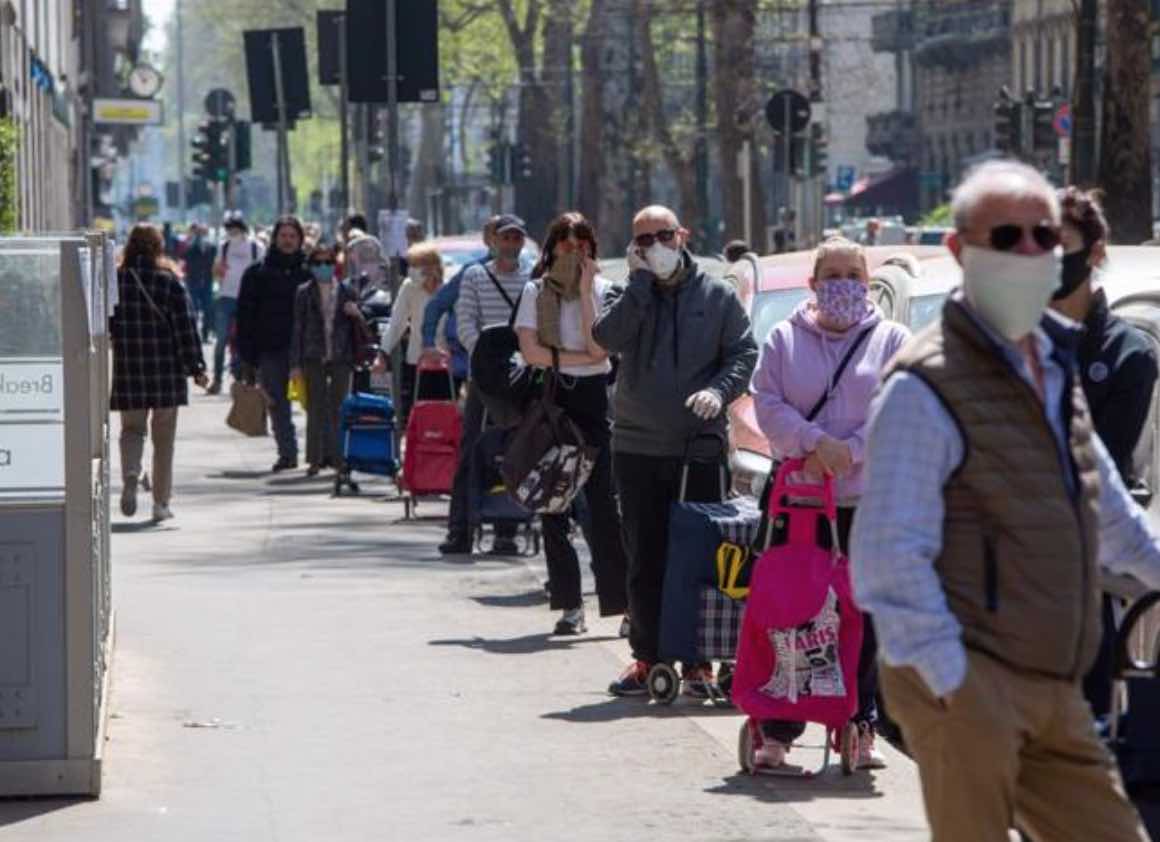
{"points": [[750, 471]]}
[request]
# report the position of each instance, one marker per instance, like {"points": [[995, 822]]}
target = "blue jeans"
{"points": [[274, 376], [225, 309]]}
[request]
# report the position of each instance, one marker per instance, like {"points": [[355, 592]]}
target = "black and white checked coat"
{"points": [[153, 352]]}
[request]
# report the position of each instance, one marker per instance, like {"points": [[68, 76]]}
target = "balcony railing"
{"points": [[962, 35]]}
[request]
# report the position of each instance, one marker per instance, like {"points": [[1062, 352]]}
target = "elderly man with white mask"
{"points": [[686, 352], [989, 508]]}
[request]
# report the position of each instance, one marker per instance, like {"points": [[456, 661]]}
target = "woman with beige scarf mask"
{"points": [[556, 311]]}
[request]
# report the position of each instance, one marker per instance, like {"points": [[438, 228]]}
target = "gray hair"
{"points": [[1006, 177]]}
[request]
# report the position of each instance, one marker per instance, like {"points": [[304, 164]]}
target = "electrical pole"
{"points": [[183, 201], [1083, 109], [283, 141], [343, 118], [702, 145]]}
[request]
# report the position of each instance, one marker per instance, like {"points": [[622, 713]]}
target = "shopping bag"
{"points": [[296, 390], [248, 412]]}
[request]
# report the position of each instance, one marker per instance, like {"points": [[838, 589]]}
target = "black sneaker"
{"points": [[633, 681], [455, 545], [285, 465]]}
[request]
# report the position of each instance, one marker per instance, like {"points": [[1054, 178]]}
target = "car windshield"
{"points": [[771, 307], [924, 309]]}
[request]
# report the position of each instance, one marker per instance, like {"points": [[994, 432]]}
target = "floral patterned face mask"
{"points": [[842, 302]]}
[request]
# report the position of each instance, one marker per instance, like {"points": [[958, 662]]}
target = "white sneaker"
{"points": [[161, 512], [129, 497], [771, 755], [571, 622], [868, 756]]}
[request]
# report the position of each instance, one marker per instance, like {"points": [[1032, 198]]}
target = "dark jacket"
{"points": [[1118, 367], [266, 304], [308, 343], [199, 259], [1018, 561], [673, 342], [155, 341]]}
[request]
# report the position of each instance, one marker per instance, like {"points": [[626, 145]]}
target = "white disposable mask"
{"points": [[662, 260], [1010, 291]]}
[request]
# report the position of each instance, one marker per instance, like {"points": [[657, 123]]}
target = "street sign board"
{"points": [[1062, 121], [259, 45], [127, 112], [788, 106], [844, 179], [220, 103]]}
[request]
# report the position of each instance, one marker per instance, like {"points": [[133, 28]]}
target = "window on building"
{"points": [[1050, 80], [1021, 82], [1065, 65], [1037, 81]]}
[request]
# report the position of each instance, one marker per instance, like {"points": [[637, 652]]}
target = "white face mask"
{"points": [[662, 260], [1010, 291]]}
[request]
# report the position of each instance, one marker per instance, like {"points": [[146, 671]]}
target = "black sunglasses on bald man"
{"points": [[645, 241]]}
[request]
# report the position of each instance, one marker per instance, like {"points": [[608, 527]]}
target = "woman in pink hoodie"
{"points": [[805, 411]]}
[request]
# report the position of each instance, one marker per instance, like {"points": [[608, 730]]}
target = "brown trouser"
{"points": [[163, 431], [326, 386], [1007, 750]]}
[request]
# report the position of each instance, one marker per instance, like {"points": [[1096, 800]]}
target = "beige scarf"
{"points": [[561, 283]]}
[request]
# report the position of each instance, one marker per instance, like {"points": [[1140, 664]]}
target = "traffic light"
{"points": [[521, 163], [211, 154], [821, 150], [1043, 125], [243, 155], [497, 155], [1008, 124], [202, 152]]}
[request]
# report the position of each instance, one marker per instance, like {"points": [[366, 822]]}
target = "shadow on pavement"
{"points": [[612, 709], [17, 810], [238, 475], [830, 784], [530, 599], [527, 645], [131, 526]]}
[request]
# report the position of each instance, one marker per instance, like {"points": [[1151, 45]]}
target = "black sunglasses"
{"points": [[645, 241], [1006, 237]]}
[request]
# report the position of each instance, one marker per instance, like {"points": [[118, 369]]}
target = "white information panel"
{"points": [[31, 389], [31, 460]]}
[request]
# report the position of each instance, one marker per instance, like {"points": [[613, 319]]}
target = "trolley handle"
{"points": [[1124, 662], [783, 488], [687, 460]]}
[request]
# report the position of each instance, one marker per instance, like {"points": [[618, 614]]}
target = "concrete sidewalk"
{"points": [[295, 667]]}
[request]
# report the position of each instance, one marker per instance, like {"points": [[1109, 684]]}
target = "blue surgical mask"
{"points": [[323, 274]]}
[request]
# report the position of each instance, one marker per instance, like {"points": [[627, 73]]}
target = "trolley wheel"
{"points": [[354, 489], [664, 685], [745, 748], [407, 507], [848, 746]]}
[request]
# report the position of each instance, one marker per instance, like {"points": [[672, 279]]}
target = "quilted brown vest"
{"points": [[1019, 556]]}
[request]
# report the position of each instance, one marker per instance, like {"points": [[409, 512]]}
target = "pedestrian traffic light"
{"points": [[202, 155], [1008, 124], [521, 163]]}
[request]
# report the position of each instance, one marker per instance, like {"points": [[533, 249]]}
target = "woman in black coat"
{"points": [[322, 351], [155, 348]]}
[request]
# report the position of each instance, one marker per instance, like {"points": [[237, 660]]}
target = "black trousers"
{"points": [[648, 487], [458, 527], [787, 732], [585, 401]]}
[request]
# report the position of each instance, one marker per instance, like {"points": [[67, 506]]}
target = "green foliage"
{"points": [[939, 216], [9, 205]]}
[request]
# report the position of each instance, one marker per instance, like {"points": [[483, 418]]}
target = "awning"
{"points": [[893, 192]]}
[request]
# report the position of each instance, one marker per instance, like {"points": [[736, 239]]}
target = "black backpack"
{"points": [[505, 386]]}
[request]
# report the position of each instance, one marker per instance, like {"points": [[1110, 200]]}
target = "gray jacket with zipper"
{"points": [[673, 342]]}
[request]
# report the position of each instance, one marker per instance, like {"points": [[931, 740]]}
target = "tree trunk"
{"points": [[592, 135], [1125, 147], [559, 29], [680, 161], [733, 24]]}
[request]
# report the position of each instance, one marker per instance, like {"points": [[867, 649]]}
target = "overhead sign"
{"points": [[788, 107], [128, 112]]}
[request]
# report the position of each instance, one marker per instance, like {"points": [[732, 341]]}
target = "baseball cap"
{"points": [[510, 222]]}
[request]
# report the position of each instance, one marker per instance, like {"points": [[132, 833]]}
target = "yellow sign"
{"points": [[127, 112]]}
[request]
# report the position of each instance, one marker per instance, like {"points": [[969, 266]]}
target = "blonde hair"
{"points": [[425, 252], [833, 246]]}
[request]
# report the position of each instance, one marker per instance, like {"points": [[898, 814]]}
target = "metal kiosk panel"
{"points": [[55, 607]]}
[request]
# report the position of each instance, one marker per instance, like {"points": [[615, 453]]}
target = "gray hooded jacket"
{"points": [[673, 342]]}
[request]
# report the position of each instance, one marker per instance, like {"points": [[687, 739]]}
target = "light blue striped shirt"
{"points": [[913, 447]]}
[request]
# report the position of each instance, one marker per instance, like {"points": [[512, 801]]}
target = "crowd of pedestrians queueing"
{"points": [[981, 466]]}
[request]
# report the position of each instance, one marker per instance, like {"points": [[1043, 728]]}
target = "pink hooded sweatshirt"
{"points": [[796, 365]]}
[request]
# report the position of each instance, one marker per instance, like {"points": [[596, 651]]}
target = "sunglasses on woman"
{"points": [[1006, 237], [645, 241]]}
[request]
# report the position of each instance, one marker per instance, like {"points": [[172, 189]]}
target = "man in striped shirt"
{"points": [[488, 295]]}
